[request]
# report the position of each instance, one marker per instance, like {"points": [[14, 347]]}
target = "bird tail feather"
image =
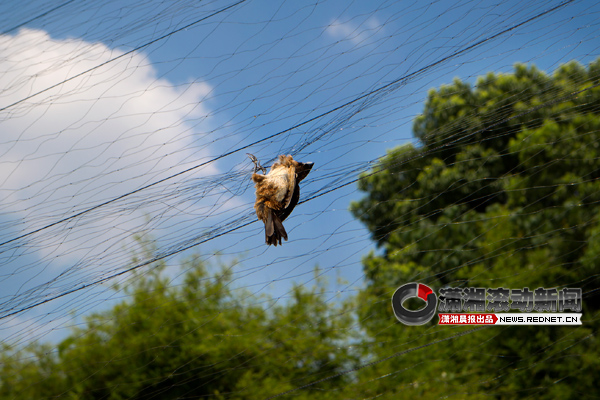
{"points": [[274, 230]]}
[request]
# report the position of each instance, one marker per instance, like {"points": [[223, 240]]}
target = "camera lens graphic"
{"points": [[418, 317]]}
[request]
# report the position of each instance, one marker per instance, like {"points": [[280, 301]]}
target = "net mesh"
{"points": [[123, 153]]}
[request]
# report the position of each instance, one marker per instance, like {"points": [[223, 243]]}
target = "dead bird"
{"points": [[277, 193]]}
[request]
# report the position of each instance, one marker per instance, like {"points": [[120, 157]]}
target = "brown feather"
{"points": [[277, 193]]}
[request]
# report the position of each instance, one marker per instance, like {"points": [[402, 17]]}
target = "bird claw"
{"points": [[257, 166]]}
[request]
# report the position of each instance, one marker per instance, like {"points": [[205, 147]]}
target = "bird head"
{"points": [[302, 169]]}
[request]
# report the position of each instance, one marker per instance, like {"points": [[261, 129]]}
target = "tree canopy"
{"points": [[502, 190], [199, 338]]}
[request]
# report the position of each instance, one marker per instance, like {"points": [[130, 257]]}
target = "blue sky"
{"points": [[210, 78]]}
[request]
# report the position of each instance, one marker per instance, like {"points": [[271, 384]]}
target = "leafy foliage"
{"points": [[503, 191], [199, 338]]}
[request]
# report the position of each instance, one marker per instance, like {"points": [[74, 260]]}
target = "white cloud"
{"points": [[116, 118], [108, 131], [358, 34]]}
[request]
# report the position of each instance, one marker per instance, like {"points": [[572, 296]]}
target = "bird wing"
{"points": [[291, 187], [283, 214], [269, 226]]}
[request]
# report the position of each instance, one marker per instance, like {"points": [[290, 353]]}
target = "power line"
{"points": [[36, 17], [192, 245], [123, 55], [380, 89]]}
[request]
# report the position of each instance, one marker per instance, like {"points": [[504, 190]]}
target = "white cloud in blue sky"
{"points": [[354, 32], [110, 130], [99, 135]]}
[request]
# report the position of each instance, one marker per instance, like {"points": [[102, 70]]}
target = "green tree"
{"points": [[502, 190], [191, 340]]}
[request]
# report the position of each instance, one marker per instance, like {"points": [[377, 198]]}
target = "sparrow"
{"points": [[277, 193]]}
